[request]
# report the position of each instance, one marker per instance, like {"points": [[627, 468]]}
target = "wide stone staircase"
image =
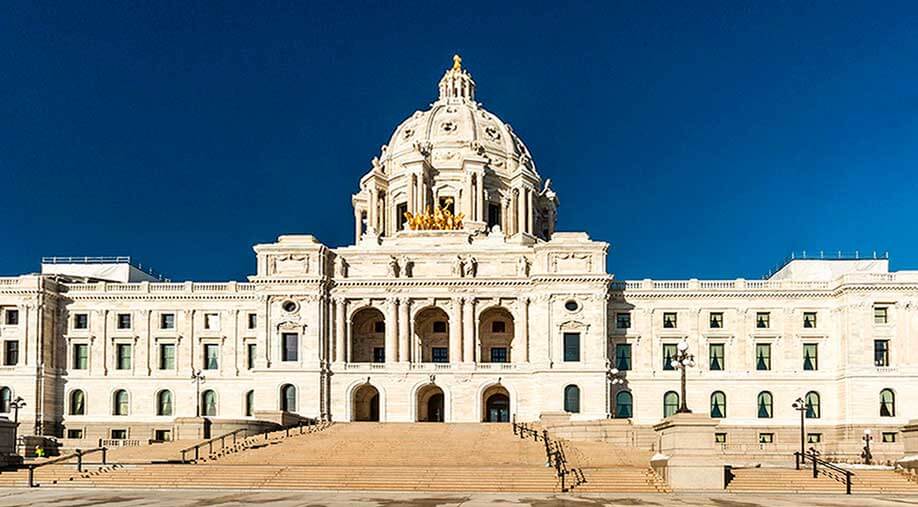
{"points": [[789, 480], [388, 456]]}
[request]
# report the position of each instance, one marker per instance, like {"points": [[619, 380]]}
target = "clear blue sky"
{"points": [[700, 139]]}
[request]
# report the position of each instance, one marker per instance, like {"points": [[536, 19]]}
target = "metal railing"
{"points": [[554, 454], [825, 468], [78, 454], [234, 437]]}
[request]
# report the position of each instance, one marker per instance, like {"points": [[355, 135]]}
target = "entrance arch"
{"points": [[366, 404], [496, 404], [495, 331], [431, 329], [368, 336], [431, 404]]}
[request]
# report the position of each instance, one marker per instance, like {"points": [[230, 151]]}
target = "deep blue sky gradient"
{"points": [[700, 139]]}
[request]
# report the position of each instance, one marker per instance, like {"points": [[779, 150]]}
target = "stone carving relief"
{"points": [[492, 132], [424, 148], [449, 127], [340, 267], [522, 266], [571, 263], [288, 264]]}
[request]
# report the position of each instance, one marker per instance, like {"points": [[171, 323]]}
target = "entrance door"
{"points": [[498, 408], [435, 408], [374, 408]]}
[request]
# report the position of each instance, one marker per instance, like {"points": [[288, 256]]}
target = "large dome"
{"points": [[456, 123]]}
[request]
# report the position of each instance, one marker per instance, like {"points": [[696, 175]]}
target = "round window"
{"points": [[571, 305], [289, 306]]}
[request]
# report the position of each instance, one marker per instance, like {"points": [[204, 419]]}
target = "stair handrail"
{"points": [[78, 454], [554, 453], [234, 434], [830, 470]]}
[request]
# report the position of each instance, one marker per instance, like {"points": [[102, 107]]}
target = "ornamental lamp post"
{"points": [[16, 405], [800, 406], [866, 453], [197, 377], [682, 361]]}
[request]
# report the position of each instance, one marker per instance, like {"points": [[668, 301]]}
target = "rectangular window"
{"points": [[669, 320], [12, 317], [250, 355], [75, 434], [881, 352], [80, 356], [212, 321], [762, 320], [167, 321], [290, 346], [762, 356], [810, 356], [880, 315], [124, 321], [716, 352], [716, 320], [813, 438], [400, 219], [720, 438], [81, 321], [162, 435], [766, 438], [498, 354], [623, 356], [439, 354], [119, 434], [123, 360], [571, 347], [888, 437], [809, 320], [379, 354], [669, 355], [439, 326], [493, 214], [253, 320], [10, 352], [623, 320], [166, 356], [211, 356], [380, 326], [498, 326]]}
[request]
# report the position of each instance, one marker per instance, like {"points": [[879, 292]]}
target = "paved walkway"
{"points": [[59, 497]]}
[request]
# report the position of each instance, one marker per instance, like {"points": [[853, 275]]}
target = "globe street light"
{"points": [[682, 361], [16, 405], [197, 377], [800, 406]]}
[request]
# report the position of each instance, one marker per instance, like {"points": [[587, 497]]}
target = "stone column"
{"points": [[372, 209], [391, 330], [404, 326], [340, 335], [356, 224], [455, 337], [530, 212], [412, 205], [479, 199], [521, 210], [521, 350], [468, 335]]}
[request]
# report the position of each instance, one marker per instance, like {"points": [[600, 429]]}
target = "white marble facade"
{"points": [[415, 317]]}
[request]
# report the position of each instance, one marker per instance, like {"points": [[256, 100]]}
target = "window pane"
{"points": [[124, 356], [12, 317], [290, 346], [166, 356], [717, 320], [762, 320], [571, 347], [498, 354], [253, 320], [623, 356], [11, 353], [670, 403], [379, 354], [765, 405], [623, 405], [211, 355], [718, 405], [881, 352], [623, 320], [809, 319], [717, 356], [80, 321], [124, 321], [669, 320], [763, 356], [669, 355], [250, 355], [441, 354], [80, 356], [810, 357], [572, 399]]}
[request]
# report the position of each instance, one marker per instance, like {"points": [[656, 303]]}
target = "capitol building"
{"points": [[459, 301]]}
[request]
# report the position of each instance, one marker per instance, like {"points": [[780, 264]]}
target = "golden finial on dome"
{"points": [[457, 62]]}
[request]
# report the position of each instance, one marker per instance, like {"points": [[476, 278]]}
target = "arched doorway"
{"points": [[366, 404], [496, 404], [431, 406], [431, 329], [496, 335], [368, 336]]}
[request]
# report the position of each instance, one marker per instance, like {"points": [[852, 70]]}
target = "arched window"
{"points": [[6, 398], [120, 402], [572, 399], [250, 403], [670, 403], [164, 403], [765, 403], [624, 405], [887, 403], [718, 405], [288, 398], [77, 402], [209, 403], [812, 405]]}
